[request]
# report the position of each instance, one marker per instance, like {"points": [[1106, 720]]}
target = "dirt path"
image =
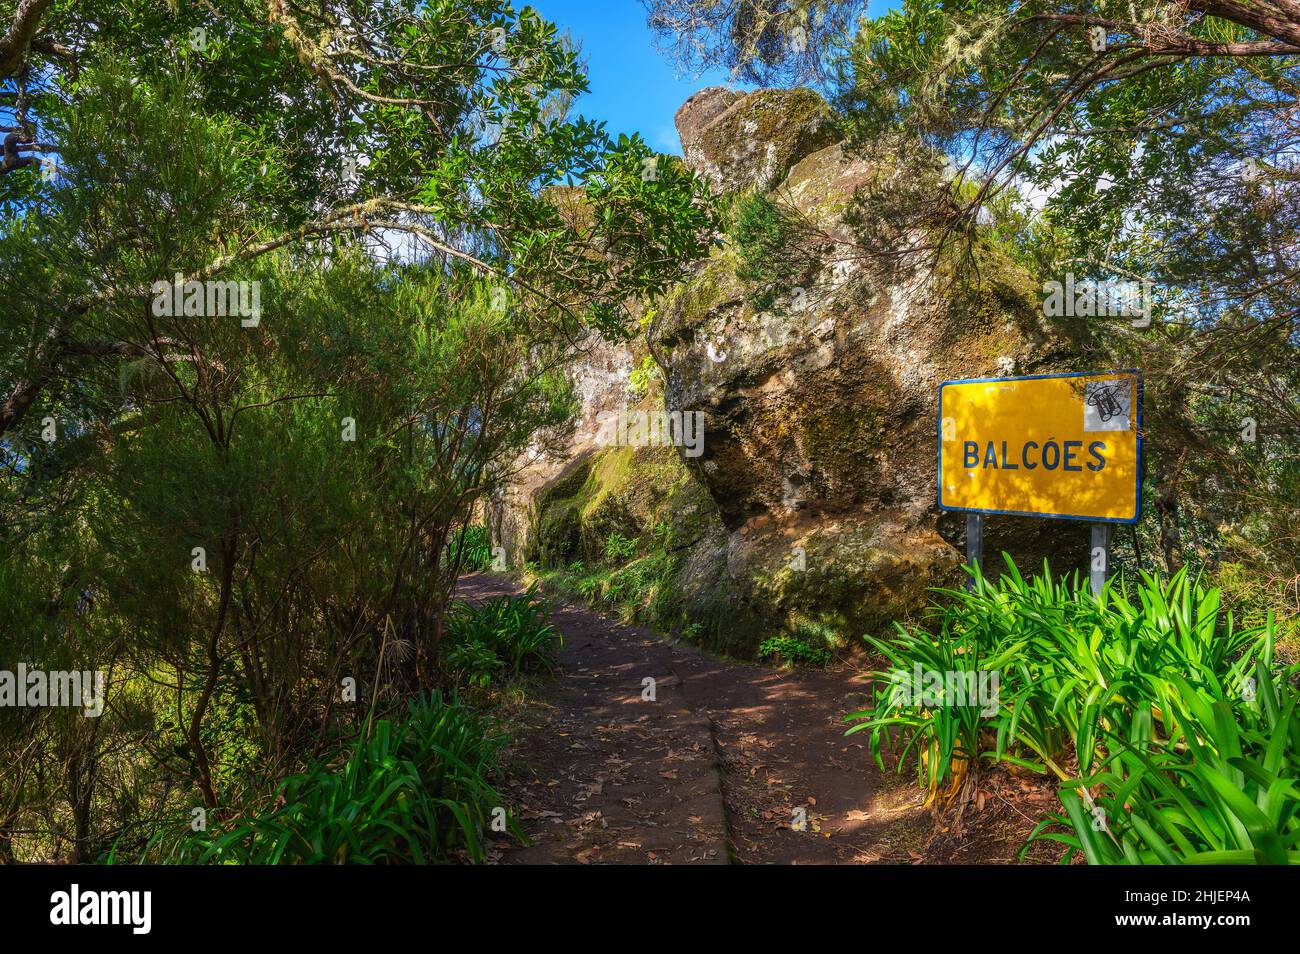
{"points": [[721, 767], [711, 771]]}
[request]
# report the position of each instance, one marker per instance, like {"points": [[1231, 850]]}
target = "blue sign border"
{"points": [[1141, 461]]}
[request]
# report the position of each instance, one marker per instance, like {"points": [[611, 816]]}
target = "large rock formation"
{"points": [[812, 508]]}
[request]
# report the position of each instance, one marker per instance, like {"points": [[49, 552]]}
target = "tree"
{"points": [[770, 42], [425, 120], [300, 291]]}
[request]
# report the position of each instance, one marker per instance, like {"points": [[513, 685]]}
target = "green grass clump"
{"points": [[618, 548], [474, 546], [509, 634], [1148, 695], [413, 791], [795, 650], [1222, 791]]}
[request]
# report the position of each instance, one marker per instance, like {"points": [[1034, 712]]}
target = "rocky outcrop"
{"points": [[812, 507], [600, 381], [750, 141]]}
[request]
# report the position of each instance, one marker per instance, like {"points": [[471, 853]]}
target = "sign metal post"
{"points": [[1099, 557], [974, 542]]}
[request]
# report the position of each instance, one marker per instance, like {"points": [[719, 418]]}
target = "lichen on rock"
{"points": [[751, 141]]}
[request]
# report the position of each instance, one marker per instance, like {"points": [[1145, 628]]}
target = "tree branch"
{"points": [[14, 43]]}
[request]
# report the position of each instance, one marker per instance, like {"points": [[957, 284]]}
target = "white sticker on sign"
{"points": [[1107, 405]]}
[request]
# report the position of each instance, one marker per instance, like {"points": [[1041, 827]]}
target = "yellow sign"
{"points": [[1065, 445]]}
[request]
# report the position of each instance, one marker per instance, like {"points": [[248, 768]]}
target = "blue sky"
{"points": [[634, 87]]}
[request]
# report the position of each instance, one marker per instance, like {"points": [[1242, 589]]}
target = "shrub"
{"points": [[643, 377], [761, 233], [516, 629], [473, 664], [619, 548], [794, 649], [412, 792], [1224, 793], [474, 544]]}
